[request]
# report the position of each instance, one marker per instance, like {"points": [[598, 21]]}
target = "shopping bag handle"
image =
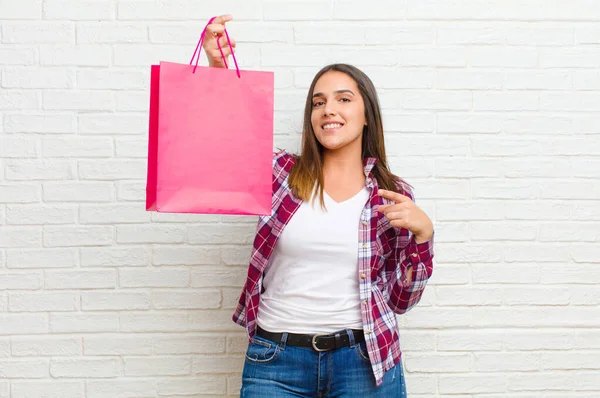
{"points": [[199, 50]]}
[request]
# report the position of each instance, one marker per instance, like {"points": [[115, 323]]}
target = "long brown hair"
{"points": [[308, 167]]}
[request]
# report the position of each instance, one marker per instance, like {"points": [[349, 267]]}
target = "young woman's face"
{"points": [[338, 111]]}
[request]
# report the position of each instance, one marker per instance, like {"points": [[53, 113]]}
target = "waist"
{"points": [[319, 342]]}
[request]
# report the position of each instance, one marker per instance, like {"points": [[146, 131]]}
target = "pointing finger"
{"points": [[396, 197], [221, 19]]}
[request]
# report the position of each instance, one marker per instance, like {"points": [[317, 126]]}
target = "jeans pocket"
{"points": [[261, 351], [361, 351]]}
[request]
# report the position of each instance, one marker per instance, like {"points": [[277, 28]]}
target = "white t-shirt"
{"points": [[311, 282]]}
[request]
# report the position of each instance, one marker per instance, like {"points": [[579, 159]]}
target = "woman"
{"points": [[344, 250]]}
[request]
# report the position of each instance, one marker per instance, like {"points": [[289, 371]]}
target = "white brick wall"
{"points": [[492, 111]]}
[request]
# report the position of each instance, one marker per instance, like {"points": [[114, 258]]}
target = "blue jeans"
{"points": [[275, 370]]}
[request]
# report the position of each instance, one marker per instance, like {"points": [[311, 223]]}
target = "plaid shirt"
{"points": [[385, 255]]}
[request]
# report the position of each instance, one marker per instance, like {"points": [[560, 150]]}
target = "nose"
{"points": [[329, 108]]}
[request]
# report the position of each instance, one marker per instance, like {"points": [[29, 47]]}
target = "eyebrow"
{"points": [[336, 92]]}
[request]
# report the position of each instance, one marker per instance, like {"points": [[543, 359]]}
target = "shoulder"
{"points": [[283, 161]]}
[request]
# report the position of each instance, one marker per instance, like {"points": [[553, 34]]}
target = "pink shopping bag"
{"points": [[210, 139]]}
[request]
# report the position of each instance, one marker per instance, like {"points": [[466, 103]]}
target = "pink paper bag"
{"points": [[210, 139]]}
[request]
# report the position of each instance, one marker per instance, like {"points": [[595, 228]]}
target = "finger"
{"points": [[221, 19], [396, 197], [399, 223], [215, 29], [223, 42], [381, 208]]}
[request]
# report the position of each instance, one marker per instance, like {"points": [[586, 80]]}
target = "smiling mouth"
{"points": [[332, 126]]}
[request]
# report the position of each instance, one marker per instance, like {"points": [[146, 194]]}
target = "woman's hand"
{"points": [[406, 214], [216, 32]]}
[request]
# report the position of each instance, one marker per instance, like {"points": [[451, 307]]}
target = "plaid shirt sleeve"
{"points": [[404, 292]]}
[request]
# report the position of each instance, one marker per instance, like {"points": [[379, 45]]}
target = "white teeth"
{"points": [[332, 126]]}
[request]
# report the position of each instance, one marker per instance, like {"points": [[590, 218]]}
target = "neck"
{"points": [[343, 162]]}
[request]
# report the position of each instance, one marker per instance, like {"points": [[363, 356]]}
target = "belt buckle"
{"points": [[314, 342]]}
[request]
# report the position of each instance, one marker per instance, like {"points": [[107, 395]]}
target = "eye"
{"points": [[318, 103], [345, 100]]}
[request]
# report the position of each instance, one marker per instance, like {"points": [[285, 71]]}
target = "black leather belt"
{"points": [[318, 342]]}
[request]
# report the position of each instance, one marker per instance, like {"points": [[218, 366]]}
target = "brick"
{"points": [[153, 277], [457, 80], [537, 252], [185, 255], [108, 32], [537, 296], [108, 123], [297, 11], [503, 57], [496, 231], [132, 101], [451, 232], [28, 170], [41, 258], [467, 167], [281, 56], [38, 32], [242, 234], [113, 214], [19, 193], [48, 389], [541, 381], [82, 10], [46, 123], [78, 236], [78, 191], [472, 384], [12, 237], [117, 345], [185, 218], [46, 346], [18, 324], [131, 147], [37, 78], [18, 146], [575, 189], [115, 256], [533, 124], [585, 210], [439, 100], [219, 276], [37, 302], [21, 281], [121, 387], [34, 369], [569, 57], [216, 364], [488, 210], [80, 279], [524, 273], [182, 10], [585, 295], [17, 55], [451, 274], [73, 55], [100, 301], [157, 366], [200, 344], [150, 234], [505, 189], [467, 296], [212, 321], [569, 232], [208, 384], [409, 123], [157, 322], [466, 123], [112, 169], [569, 273], [439, 363], [92, 147], [34, 214], [78, 100], [186, 299], [26, 9], [470, 341], [19, 100], [538, 80], [105, 79], [84, 323], [506, 362], [75, 368], [470, 252]]}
